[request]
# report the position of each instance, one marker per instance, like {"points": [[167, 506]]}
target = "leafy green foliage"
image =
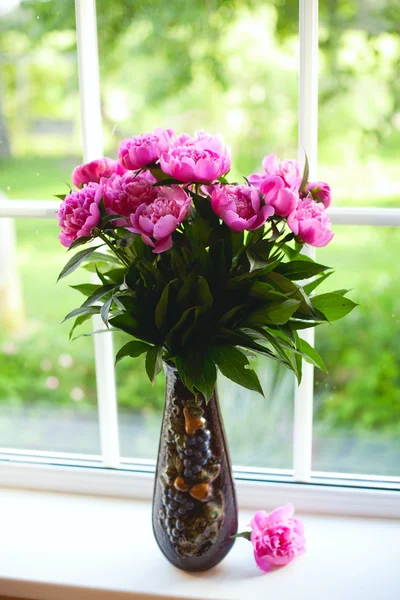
{"points": [[154, 362], [133, 349], [214, 297], [333, 305]]}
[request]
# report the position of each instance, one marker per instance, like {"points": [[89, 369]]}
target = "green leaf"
{"points": [[256, 261], [109, 218], [228, 317], [82, 310], [116, 275], [119, 303], [105, 309], [310, 354], [300, 269], [179, 363], [86, 289], [235, 281], [201, 230], [168, 181], [60, 196], [245, 534], [132, 349], [265, 291], [310, 287], [203, 294], [258, 254], [173, 332], [276, 313], [79, 242], [93, 333], [240, 338], [203, 207], [277, 344], [75, 261], [233, 364], [99, 293], [101, 276], [131, 277], [295, 324], [161, 312], [333, 305], [154, 363], [78, 321], [297, 363], [186, 293], [306, 173], [207, 385], [290, 252], [199, 371], [125, 323], [104, 257]]}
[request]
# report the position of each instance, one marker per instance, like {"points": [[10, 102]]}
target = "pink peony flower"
{"points": [[203, 158], [124, 194], [311, 223], [145, 149], [95, 170], [321, 192], [277, 537], [239, 206], [281, 198], [288, 170], [158, 220], [79, 213]]}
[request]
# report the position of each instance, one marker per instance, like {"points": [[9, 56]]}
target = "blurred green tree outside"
{"points": [[222, 65]]}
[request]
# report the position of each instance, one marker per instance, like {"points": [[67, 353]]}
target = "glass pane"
{"points": [[39, 100], [359, 96], [47, 384], [357, 406], [228, 67]]}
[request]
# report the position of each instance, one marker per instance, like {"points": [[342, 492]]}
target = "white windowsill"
{"points": [[64, 547]]}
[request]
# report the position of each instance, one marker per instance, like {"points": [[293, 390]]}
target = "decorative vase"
{"points": [[194, 503]]}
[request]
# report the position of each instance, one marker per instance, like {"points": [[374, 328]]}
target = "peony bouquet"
{"points": [[201, 272]]}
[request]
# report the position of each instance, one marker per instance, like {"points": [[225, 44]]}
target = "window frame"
{"points": [[328, 492]]}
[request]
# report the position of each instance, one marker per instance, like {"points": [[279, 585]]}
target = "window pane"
{"points": [[357, 406], [40, 138], [359, 96], [228, 67], [47, 384]]}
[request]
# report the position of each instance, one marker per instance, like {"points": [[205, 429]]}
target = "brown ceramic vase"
{"points": [[194, 503]]}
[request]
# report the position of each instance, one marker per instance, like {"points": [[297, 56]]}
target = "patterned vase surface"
{"points": [[194, 504]]}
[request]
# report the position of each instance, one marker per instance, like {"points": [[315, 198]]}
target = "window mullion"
{"points": [[308, 141], [89, 89]]}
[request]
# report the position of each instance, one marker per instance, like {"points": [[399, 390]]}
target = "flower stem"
{"points": [[117, 253]]}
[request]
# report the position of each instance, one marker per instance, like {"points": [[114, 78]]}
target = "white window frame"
{"points": [[109, 474]]}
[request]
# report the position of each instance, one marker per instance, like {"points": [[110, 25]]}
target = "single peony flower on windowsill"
{"points": [[277, 537]]}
